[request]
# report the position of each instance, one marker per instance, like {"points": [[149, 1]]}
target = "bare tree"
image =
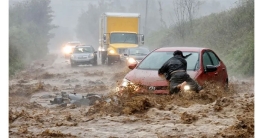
{"points": [[146, 11], [192, 6], [184, 11], [161, 14], [180, 17]]}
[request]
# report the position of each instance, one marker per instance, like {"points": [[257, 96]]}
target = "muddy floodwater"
{"points": [[212, 113]]}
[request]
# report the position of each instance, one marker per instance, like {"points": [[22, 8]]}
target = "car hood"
{"points": [[150, 77], [137, 57], [81, 54]]}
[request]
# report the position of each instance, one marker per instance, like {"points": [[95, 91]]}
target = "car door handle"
{"points": [[223, 69], [216, 73]]}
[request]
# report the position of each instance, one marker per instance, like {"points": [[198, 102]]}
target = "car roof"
{"points": [[192, 49], [139, 48], [84, 46]]}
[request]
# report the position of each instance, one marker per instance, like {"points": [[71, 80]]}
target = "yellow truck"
{"points": [[117, 32]]}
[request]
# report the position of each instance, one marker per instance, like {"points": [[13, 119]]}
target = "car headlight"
{"points": [[111, 51], [123, 85], [186, 87], [101, 49], [73, 57], [131, 60], [67, 49], [91, 55], [128, 85], [125, 82]]}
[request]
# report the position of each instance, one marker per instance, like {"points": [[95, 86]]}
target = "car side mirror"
{"points": [[142, 39], [132, 66], [210, 68], [104, 39]]}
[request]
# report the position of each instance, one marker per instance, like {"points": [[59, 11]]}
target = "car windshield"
{"points": [[138, 51], [83, 50], [123, 38], [155, 60]]}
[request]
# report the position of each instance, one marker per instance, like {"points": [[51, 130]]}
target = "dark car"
{"points": [[83, 54], [136, 54], [203, 65]]}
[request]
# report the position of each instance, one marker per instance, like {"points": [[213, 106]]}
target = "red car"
{"points": [[202, 65]]}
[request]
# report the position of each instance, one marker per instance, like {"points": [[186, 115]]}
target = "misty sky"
{"points": [[66, 12]]}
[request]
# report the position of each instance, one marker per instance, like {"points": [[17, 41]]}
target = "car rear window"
{"points": [[155, 60]]}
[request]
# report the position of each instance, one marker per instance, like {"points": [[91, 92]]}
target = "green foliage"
{"points": [[29, 26], [229, 33]]}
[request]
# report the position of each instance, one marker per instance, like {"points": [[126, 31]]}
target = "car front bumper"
{"points": [[143, 89], [82, 61]]}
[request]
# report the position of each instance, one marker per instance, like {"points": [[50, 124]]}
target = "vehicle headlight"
{"points": [[127, 86], [123, 85], [67, 49], [186, 87], [72, 56], [111, 51], [101, 49], [132, 60], [125, 82], [91, 55]]}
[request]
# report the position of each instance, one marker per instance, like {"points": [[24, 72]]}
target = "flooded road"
{"points": [[209, 114]]}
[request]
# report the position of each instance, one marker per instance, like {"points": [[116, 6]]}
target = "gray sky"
{"points": [[67, 12]]}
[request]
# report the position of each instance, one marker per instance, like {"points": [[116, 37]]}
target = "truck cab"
{"points": [[118, 31]]}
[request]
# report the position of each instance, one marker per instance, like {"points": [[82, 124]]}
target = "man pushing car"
{"points": [[174, 70]]}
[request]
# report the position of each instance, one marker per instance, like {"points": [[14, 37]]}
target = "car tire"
{"points": [[95, 62], [73, 64]]}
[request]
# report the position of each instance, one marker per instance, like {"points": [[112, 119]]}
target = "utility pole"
{"points": [[145, 17]]}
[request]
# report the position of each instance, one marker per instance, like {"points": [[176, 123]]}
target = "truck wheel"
{"points": [[103, 57], [108, 61]]}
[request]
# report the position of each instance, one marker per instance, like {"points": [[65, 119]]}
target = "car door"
{"points": [[207, 76], [221, 71]]}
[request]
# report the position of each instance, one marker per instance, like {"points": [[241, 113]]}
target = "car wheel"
{"points": [[73, 64], [95, 62]]}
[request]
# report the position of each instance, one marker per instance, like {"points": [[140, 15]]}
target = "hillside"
{"points": [[229, 33]]}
